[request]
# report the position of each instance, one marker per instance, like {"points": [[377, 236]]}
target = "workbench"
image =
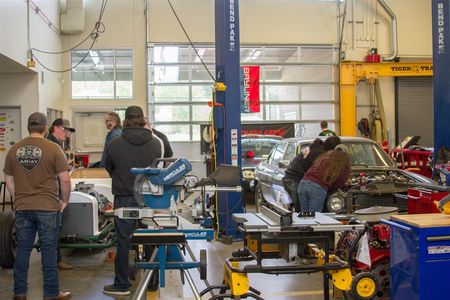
{"points": [[271, 235], [420, 256]]}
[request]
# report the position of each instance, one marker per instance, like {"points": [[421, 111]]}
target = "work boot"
{"points": [[64, 266], [61, 296], [20, 297], [114, 290]]}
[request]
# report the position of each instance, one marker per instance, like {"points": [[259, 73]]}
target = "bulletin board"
{"points": [[10, 131]]}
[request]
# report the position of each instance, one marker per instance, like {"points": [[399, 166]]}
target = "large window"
{"points": [[298, 84], [103, 74]]}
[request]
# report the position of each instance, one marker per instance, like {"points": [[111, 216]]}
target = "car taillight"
{"points": [[250, 154]]}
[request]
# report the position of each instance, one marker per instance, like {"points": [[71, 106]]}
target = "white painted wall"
{"points": [[14, 45]]}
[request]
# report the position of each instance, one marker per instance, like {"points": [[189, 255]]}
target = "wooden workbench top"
{"points": [[424, 220]]}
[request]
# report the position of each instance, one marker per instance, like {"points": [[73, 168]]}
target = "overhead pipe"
{"points": [[394, 31]]}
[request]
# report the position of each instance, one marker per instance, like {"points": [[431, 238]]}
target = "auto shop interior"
{"points": [[224, 149]]}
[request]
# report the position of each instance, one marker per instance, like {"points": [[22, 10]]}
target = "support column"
{"points": [[441, 72], [227, 114]]}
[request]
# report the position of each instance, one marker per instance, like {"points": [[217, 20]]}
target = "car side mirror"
{"points": [[283, 164]]}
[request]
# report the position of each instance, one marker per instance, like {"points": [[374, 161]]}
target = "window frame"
{"points": [[114, 97], [301, 124]]}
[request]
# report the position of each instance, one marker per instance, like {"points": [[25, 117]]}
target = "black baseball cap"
{"points": [[64, 123], [134, 112], [37, 119]]}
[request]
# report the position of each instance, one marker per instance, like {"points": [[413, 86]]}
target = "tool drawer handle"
{"points": [[396, 225], [438, 238]]}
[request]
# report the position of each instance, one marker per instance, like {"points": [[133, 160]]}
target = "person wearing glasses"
{"points": [[58, 133], [113, 124]]}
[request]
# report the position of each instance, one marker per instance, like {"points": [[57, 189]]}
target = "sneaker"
{"points": [[114, 290], [64, 266]]}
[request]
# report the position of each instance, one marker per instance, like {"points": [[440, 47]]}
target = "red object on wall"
{"points": [[251, 101], [83, 159], [420, 201], [372, 58]]}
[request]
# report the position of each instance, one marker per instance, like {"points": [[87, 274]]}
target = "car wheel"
{"points": [[259, 198], [7, 239]]}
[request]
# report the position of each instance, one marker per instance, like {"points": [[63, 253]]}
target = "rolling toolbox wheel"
{"points": [[7, 239], [203, 264], [365, 286], [132, 259]]}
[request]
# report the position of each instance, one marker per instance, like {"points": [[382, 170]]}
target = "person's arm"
{"points": [[64, 185], [9, 180]]}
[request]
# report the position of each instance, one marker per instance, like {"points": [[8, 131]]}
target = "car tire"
{"points": [[259, 198], [7, 239]]}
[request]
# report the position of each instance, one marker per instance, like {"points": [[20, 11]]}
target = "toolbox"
{"points": [[420, 201], [420, 256]]}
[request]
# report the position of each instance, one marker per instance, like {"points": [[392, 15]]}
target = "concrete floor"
{"points": [[93, 270]]}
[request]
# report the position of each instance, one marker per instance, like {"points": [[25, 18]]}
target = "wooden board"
{"points": [[424, 220], [89, 173]]}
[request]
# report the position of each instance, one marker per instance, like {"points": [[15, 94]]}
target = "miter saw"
{"points": [[157, 191]]}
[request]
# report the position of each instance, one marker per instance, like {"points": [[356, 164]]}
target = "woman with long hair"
{"points": [[329, 173]]}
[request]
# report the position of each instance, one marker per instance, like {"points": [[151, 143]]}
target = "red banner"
{"points": [[250, 101]]}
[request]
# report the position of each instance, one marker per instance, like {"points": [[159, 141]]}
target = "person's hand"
{"points": [[63, 206]]}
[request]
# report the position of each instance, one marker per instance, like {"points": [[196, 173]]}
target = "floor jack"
{"points": [[303, 241]]}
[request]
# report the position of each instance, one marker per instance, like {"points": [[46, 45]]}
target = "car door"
{"points": [[266, 171], [279, 194]]}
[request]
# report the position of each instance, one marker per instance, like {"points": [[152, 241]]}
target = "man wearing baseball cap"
{"points": [[135, 148], [59, 131], [31, 168], [58, 134]]}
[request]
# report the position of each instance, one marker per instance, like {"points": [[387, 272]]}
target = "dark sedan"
{"points": [[255, 149], [374, 179]]}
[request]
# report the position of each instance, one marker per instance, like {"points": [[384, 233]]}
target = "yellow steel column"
{"points": [[347, 92]]}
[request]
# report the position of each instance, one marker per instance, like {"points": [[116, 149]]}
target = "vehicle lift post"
{"points": [[227, 113], [441, 80]]}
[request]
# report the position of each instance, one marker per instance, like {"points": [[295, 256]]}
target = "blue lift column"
{"points": [[441, 72], [227, 113]]}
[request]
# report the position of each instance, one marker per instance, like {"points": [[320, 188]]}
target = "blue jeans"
{"points": [[46, 224], [124, 230], [312, 196]]}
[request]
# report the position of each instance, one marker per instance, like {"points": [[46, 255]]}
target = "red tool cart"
{"points": [[420, 200]]}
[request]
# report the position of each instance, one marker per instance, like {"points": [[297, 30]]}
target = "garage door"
{"points": [[415, 109]]}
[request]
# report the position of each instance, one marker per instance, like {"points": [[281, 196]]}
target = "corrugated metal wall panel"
{"points": [[415, 109]]}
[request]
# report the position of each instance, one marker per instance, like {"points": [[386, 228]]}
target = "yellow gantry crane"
{"points": [[352, 72]]}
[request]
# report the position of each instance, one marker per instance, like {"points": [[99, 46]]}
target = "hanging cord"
{"points": [[190, 42], [99, 28]]}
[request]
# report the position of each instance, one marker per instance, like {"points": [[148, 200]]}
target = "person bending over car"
{"points": [[329, 173], [301, 163]]}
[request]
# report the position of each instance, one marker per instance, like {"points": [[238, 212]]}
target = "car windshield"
{"points": [[260, 147], [366, 154]]}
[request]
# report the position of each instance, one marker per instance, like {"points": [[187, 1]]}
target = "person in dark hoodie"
{"points": [[135, 148], [300, 164]]}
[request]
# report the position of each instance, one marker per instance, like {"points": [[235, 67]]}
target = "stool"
{"points": [[3, 192]]}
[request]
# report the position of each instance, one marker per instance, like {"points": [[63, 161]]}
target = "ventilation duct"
{"points": [[72, 17]]}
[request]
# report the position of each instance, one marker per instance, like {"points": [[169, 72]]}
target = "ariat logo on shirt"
{"points": [[29, 156]]}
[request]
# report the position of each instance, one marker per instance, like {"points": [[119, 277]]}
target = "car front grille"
{"points": [[366, 201]]}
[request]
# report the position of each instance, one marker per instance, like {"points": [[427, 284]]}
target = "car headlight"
{"points": [[336, 203], [248, 174]]}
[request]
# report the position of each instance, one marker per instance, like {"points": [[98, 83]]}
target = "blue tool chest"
{"points": [[420, 257]]}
